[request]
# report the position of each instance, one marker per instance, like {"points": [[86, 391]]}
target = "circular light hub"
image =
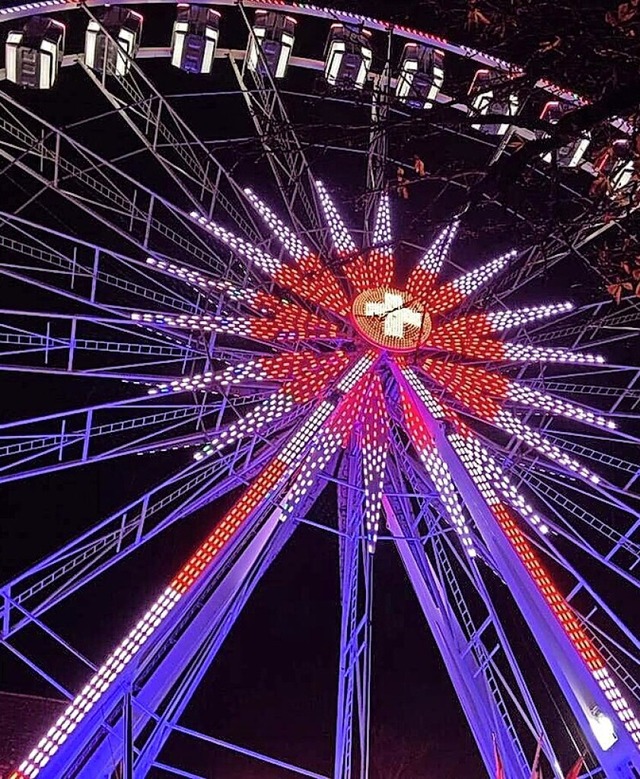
{"points": [[391, 318]]}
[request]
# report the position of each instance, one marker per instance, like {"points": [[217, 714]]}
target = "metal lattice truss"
{"points": [[491, 444]]}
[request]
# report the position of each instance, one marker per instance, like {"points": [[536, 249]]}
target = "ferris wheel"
{"points": [[175, 233]]}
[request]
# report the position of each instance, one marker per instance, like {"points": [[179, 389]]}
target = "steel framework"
{"points": [[280, 353]]}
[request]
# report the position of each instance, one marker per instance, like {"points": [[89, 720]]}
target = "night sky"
{"points": [[273, 685]]}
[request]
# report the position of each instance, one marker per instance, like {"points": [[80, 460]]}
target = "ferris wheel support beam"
{"points": [[476, 637], [280, 142], [526, 707], [206, 648], [163, 726], [354, 680], [70, 568], [135, 207], [201, 617], [377, 152], [466, 674], [156, 122], [578, 685]]}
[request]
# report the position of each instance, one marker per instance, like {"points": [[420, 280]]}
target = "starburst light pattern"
{"points": [[376, 367]]}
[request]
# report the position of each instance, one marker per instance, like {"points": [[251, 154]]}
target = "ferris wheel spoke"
{"points": [[437, 469], [87, 269], [104, 686], [91, 346], [299, 392], [493, 350], [306, 261], [95, 434], [619, 465], [82, 300], [503, 485], [278, 137], [356, 602], [427, 271], [62, 573], [217, 291], [454, 293], [602, 491], [484, 393], [556, 495], [603, 392], [618, 469], [601, 323], [139, 216]]}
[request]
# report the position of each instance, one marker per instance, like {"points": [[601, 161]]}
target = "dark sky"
{"points": [[273, 686]]}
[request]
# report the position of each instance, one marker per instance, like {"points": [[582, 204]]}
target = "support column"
{"points": [[467, 677], [541, 605], [354, 683]]}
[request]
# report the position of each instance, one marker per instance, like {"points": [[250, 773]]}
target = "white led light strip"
{"points": [[206, 284], [323, 450], [539, 400], [471, 281], [279, 404], [503, 320], [482, 467], [294, 246], [382, 230], [510, 424], [374, 464], [265, 261], [436, 254], [203, 322], [435, 408], [440, 475], [436, 467], [524, 353], [342, 240]]}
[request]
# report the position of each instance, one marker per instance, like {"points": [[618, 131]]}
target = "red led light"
{"points": [[228, 526], [480, 390], [291, 323], [315, 378], [444, 298], [558, 605], [467, 346]]}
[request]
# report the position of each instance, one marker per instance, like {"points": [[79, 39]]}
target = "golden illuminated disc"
{"points": [[391, 318]]}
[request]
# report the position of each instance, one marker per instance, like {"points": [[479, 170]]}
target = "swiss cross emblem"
{"points": [[390, 318]]}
